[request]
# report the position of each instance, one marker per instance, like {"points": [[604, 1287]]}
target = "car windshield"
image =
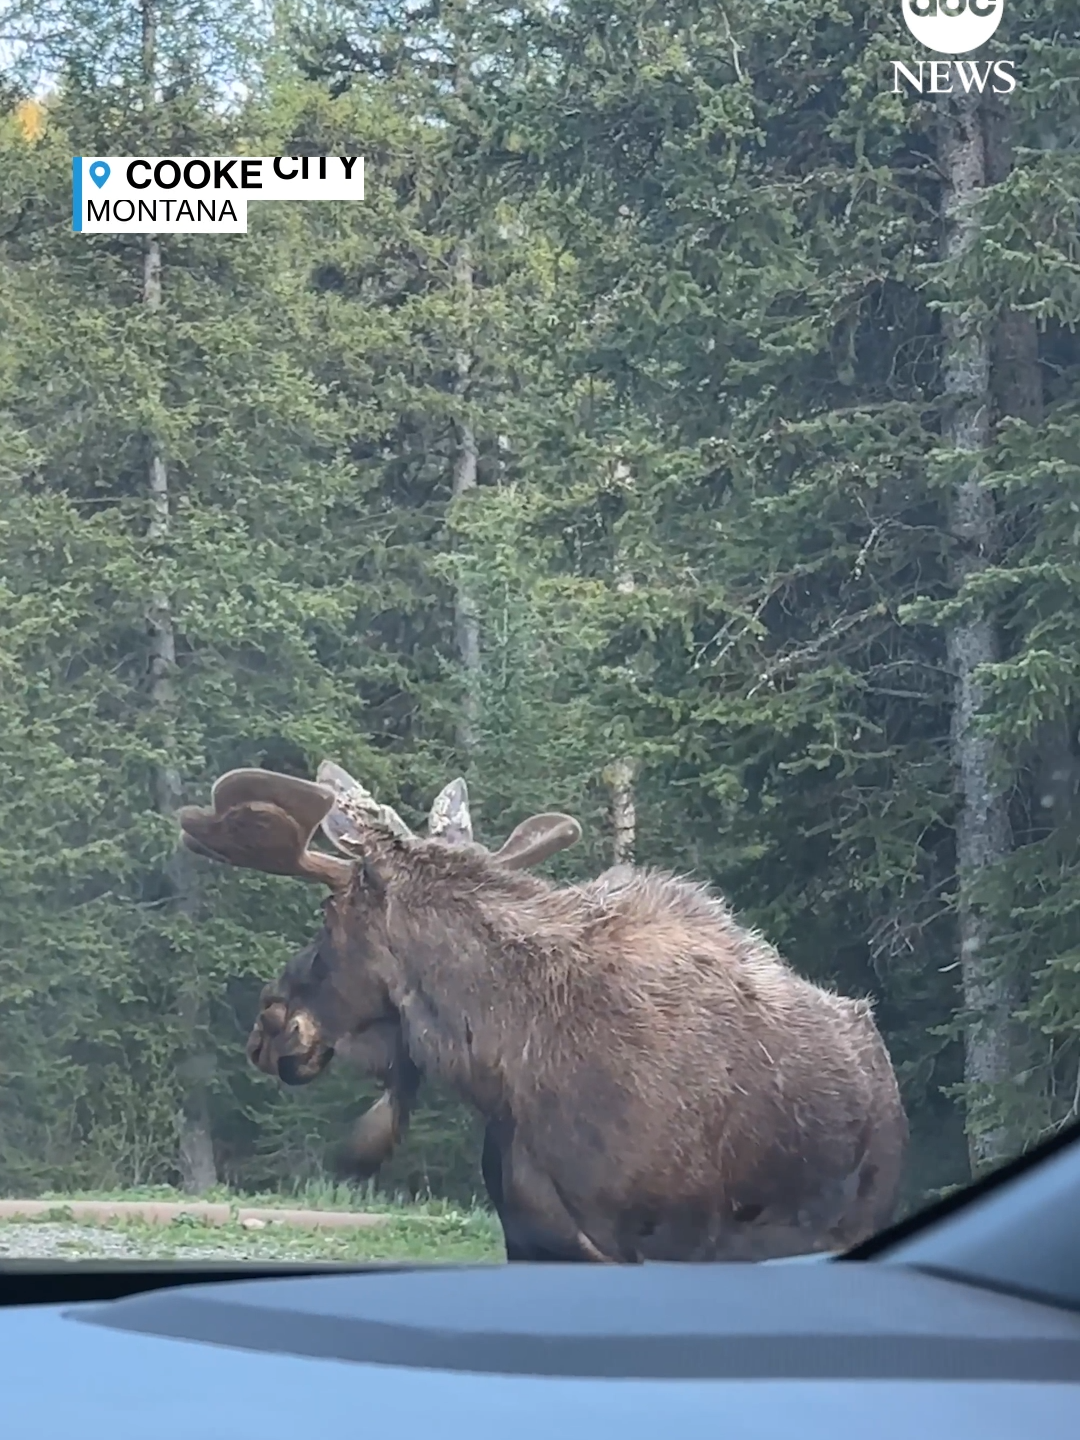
{"points": [[603, 482]]}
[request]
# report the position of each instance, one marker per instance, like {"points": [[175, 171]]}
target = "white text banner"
{"points": [[207, 194]]}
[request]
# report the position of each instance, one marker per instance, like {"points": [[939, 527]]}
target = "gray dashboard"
{"points": [[829, 1321]]}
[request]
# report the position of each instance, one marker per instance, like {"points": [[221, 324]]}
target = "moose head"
{"points": [[334, 994]]}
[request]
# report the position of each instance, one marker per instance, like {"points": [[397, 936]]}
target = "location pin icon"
{"points": [[99, 173]]}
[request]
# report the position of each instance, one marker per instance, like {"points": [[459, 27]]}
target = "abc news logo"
{"points": [[953, 27]]}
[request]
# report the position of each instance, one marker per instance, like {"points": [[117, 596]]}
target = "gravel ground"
{"points": [[87, 1242], [164, 1225], [64, 1242], [411, 1236]]}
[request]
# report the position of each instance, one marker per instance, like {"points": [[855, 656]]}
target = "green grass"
{"points": [[310, 1195], [429, 1231]]}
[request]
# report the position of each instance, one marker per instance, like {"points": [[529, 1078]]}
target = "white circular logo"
{"points": [[952, 27]]}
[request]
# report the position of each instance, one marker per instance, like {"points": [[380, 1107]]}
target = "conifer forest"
{"points": [[683, 433]]}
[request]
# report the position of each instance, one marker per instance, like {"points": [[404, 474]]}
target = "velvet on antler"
{"points": [[259, 820]]}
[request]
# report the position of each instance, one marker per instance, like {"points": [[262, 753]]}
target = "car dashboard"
{"points": [[963, 1324]]}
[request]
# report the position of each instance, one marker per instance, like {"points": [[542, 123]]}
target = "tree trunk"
{"points": [[622, 772], [195, 1158], [620, 777], [983, 837], [1018, 393], [195, 1150], [466, 615]]}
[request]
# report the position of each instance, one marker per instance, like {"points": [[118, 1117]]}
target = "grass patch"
{"points": [[430, 1231], [461, 1239], [308, 1195]]}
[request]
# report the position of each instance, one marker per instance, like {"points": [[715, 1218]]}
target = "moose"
{"points": [[656, 1082]]}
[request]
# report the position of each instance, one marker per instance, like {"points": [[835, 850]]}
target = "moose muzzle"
{"points": [[288, 1046]]}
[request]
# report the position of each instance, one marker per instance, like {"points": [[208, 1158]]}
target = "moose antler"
{"points": [[532, 842], [354, 806], [449, 818], [537, 838], [259, 820]]}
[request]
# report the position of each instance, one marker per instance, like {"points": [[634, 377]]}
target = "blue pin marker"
{"points": [[99, 173]]}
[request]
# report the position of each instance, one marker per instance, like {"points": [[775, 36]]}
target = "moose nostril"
{"points": [[272, 1019]]}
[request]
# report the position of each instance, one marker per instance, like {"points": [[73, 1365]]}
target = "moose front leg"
{"points": [[518, 1237], [537, 1226]]}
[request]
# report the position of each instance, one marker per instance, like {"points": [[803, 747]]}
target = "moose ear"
{"points": [[537, 838], [449, 818]]}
